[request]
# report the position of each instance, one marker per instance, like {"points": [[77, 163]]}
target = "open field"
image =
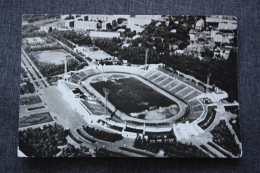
{"points": [[131, 95], [35, 40], [95, 54], [51, 56], [35, 119]]}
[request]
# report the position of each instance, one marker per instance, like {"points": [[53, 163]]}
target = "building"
{"points": [[78, 24], [199, 24], [220, 37], [223, 22], [101, 34], [193, 35], [89, 22], [222, 52]]}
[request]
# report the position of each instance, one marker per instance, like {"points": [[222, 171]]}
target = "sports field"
{"points": [[131, 95], [51, 56]]}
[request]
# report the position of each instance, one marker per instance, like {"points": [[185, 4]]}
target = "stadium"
{"points": [[140, 100]]}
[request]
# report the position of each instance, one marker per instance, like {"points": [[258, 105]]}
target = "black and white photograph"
{"points": [[129, 86]]}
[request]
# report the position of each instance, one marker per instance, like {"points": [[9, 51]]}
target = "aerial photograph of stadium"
{"points": [[129, 86]]}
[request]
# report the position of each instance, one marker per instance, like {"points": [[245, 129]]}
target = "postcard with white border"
{"points": [[129, 86]]}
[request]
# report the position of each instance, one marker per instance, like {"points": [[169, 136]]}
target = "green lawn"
{"points": [[30, 100], [131, 95], [35, 119]]}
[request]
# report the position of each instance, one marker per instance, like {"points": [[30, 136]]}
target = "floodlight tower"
{"points": [[65, 67], [106, 91], [148, 45], [208, 79], [146, 56]]}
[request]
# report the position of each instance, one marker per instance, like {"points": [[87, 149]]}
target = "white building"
{"points": [[222, 37], [90, 22], [84, 25], [224, 22], [101, 34], [199, 24]]}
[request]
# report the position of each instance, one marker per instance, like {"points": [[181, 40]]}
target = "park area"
{"points": [[56, 56], [130, 95], [35, 119]]}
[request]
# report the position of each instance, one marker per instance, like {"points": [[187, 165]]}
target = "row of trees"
{"points": [[42, 142], [49, 141], [26, 88], [102, 135], [37, 17], [72, 151], [224, 138], [171, 147], [75, 37]]}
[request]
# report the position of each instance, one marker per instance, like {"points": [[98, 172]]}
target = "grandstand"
{"points": [[192, 95], [174, 85], [94, 106], [164, 82], [209, 118], [171, 85], [178, 88], [185, 92], [159, 79], [75, 78]]}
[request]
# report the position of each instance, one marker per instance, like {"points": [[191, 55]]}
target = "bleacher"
{"points": [[209, 118], [78, 76], [184, 92], [171, 85], [194, 103], [89, 72], [197, 108], [135, 123], [166, 81], [117, 119], [159, 79], [149, 73], [94, 107], [81, 74], [194, 115], [117, 128], [178, 88], [192, 95], [74, 79], [154, 76], [122, 69], [128, 129]]}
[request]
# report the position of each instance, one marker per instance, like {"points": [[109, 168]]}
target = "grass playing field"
{"points": [[51, 56], [131, 95]]}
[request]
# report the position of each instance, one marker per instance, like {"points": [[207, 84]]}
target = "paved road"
{"points": [[28, 64]]}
